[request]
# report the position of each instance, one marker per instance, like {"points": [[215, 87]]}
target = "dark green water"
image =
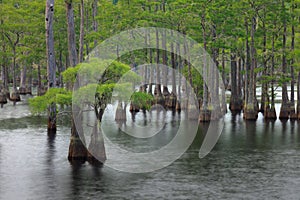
{"points": [[253, 160]]}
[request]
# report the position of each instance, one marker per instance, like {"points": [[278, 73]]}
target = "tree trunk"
{"points": [[173, 98], [271, 114], [77, 149], [204, 112], [179, 63], [236, 103], [95, 23], [250, 112], [298, 96], [71, 35], [284, 110], [157, 91], [29, 82], [293, 114], [51, 65], [22, 88], [81, 37], [166, 93], [15, 95]]}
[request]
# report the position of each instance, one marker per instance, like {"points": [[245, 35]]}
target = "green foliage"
{"points": [[59, 96], [142, 100]]}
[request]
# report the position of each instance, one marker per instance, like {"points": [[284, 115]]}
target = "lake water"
{"points": [[252, 160]]}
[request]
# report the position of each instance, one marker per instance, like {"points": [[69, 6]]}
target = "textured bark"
{"points": [[81, 37], [284, 110], [51, 65], [250, 112], [271, 114], [71, 35], [204, 112], [77, 150], [236, 103]]}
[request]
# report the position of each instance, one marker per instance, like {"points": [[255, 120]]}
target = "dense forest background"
{"points": [[253, 43]]}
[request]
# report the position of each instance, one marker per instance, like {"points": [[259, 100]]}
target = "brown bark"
{"points": [[77, 150]]}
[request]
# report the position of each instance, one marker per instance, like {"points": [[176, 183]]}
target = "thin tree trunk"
{"points": [[157, 91], [284, 110], [204, 112], [235, 102], [51, 65], [293, 114], [22, 88], [81, 37], [95, 23], [71, 35], [272, 112]]}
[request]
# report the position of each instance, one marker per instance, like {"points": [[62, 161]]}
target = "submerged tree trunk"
{"points": [[22, 88], [51, 65], [77, 149], [284, 110], [250, 112], [298, 96], [293, 114], [29, 82], [204, 112], [271, 114], [166, 93], [236, 103], [157, 91]]}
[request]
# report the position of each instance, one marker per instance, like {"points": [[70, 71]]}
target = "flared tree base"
{"points": [[250, 114], [15, 96], [171, 103], [28, 90], [3, 99], [284, 112], [270, 113], [204, 116], [22, 90], [236, 105]]}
